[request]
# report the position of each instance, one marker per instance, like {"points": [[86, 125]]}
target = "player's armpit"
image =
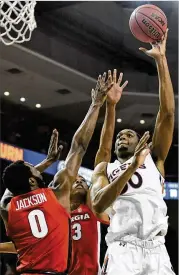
{"points": [[162, 138], [7, 248], [6, 198]]}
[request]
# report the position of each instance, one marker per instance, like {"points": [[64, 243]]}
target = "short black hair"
{"points": [[16, 178]]}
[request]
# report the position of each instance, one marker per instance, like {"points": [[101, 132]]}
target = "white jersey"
{"points": [[140, 210]]}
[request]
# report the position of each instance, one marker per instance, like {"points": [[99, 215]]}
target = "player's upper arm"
{"points": [[162, 138], [103, 155], [64, 178], [99, 181]]}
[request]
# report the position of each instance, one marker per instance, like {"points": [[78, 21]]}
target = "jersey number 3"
{"points": [[38, 224], [77, 229]]}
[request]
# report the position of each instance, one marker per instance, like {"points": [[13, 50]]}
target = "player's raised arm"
{"points": [[64, 178], [163, 132], [53, 155], [113, 97], [104, 194]]}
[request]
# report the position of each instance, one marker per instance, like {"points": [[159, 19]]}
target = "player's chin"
{"points": [[80, 191]]}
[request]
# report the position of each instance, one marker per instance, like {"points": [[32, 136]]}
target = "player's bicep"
{"points": [[99, 181]]}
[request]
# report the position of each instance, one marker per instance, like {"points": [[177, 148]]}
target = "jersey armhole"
{"points": [[154, 159], [52, 195]]}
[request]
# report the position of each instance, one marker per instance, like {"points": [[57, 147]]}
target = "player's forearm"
{"points": [[105, 146], [7, 248], [42, 166], [84, 133], [107, 195], [166, 95]]}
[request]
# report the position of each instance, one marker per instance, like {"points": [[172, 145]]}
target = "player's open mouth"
{"points": [[123, 143]]}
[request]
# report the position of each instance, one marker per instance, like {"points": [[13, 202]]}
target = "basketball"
{"points": [[148, 23]]}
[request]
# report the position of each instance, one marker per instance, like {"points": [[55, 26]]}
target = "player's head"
{"points": [[126, 142], [80, 187], [21, 177]]}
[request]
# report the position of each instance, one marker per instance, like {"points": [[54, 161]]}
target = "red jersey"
{"points": [[86, 237], [40, 229]]}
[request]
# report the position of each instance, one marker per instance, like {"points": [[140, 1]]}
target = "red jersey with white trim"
{"points": [[40, 229], [86, 237]]}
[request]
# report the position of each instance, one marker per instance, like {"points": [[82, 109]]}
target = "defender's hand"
{"points": [[103, 86], [115, 92], [158, 49], [54, 151], [141, 151]]}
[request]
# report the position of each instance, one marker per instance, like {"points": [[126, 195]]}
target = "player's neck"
{"points": [[76, 201], [124, 158], [75, 205]]}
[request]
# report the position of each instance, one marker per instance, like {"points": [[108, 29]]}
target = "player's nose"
{"points": [[123, 137]]}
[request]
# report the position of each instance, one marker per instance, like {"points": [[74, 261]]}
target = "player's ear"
{"points": [[32, 181]]}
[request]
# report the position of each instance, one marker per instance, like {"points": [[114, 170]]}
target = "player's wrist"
{"points": [[97, 104], [50, 160], [110, 104], [134, 166], [160, 58]]}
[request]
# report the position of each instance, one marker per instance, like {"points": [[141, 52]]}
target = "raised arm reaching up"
{"points": [[64, 178], [106, 139], [163, 132]]}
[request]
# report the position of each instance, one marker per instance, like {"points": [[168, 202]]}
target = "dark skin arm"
{"points": [[105, 146], [106, 139], [164, 127], [64, 179]]}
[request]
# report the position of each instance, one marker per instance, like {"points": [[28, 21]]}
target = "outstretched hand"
{"points": [[115, 92], [54, 151], [142, 150], [158, 49], [103, 86]]}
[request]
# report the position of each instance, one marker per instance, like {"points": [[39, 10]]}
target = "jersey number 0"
{"points": [[38, 224]]}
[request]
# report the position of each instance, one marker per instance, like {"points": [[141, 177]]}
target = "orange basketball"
{"points": [[148, 23]]}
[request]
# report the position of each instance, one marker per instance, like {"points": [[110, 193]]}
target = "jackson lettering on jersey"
{"points": [[140, 210], [30, 201]]}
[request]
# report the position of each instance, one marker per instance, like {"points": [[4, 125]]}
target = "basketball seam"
{"points": [[152, 21], [143, 30], [161, 12]]}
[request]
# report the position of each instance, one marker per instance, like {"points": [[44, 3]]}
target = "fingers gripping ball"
{"points": [[148, 23]]}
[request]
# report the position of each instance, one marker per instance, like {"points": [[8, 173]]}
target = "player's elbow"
{"points": [[168, 113], [79, 145]]}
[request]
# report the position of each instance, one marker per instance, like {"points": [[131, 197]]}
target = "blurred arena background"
{"points": [[46, 84]]}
